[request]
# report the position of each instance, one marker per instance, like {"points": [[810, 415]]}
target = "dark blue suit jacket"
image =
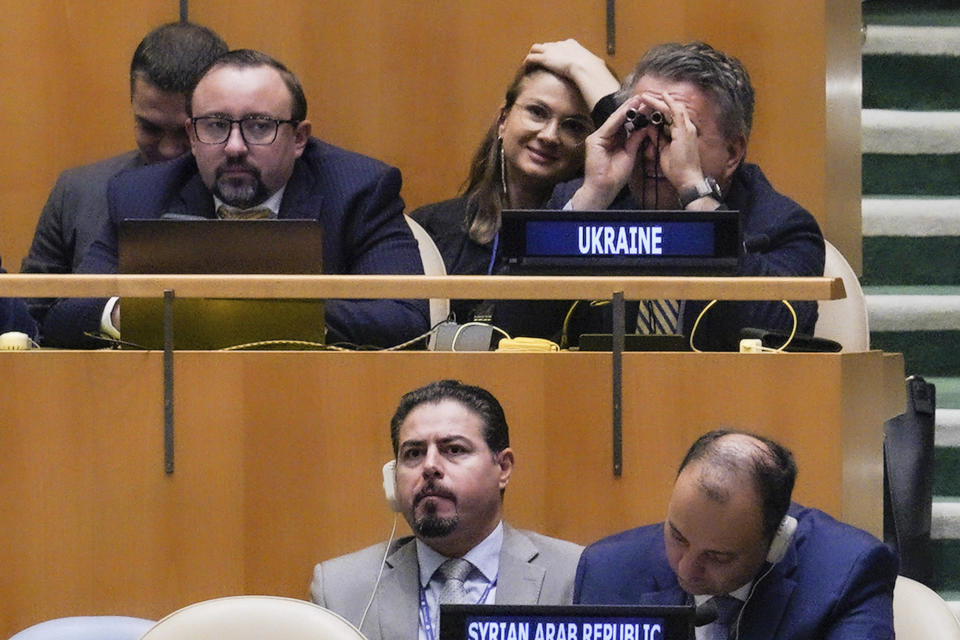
{"points": [[355, 197], [835, 581], [15, 317], [781, 239]]}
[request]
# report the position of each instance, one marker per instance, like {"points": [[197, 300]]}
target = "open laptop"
{"points": [[684, 243], [178, 246], [569, 622]]}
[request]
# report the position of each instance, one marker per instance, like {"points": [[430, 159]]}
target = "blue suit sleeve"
{"points": [[864, 608], [70, 320], [377, 240], [15, 317]]}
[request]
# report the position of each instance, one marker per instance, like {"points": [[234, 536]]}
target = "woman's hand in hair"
{"points": [[570, 59]]}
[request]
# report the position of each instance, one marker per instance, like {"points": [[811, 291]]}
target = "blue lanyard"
{"points": [[425, 610], [493, 256]]}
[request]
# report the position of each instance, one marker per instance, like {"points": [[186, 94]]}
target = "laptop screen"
{"points": [[621, 242], [566, 622], [177, 246], [220, 246]]}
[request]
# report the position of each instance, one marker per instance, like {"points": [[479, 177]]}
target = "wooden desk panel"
{"points": [[278, 457]]}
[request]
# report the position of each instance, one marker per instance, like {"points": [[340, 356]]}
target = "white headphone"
{"points": [[781, 539], [390, 484], [778, 549]]}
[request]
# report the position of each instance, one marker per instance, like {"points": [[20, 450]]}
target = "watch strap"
{"points": [[706, 187]]}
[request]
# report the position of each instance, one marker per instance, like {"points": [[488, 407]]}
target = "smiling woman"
{"points": [[534, 142]]}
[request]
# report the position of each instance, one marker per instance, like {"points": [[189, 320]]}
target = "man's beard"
{"points": [[430, 525], [433, 526], [241, 193]]}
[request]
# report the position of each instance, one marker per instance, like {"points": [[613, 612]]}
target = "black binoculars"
{"points": [[637, 120]]}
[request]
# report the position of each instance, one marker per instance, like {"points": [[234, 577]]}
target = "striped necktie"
{"points": [[658, 316]]}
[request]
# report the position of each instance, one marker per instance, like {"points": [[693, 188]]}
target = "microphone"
{"points": [[705, 613]]}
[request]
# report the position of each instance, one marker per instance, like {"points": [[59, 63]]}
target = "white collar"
{"points": [[740, 594], [485, 556]]}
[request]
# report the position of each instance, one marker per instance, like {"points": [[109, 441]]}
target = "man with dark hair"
{"points": [[453, 463], [252, 156], [734, 542], [478, 400], [691, 156], [164, 66]]}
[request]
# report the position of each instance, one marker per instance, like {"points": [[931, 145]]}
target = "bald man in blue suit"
{"points": [[790, 572]]}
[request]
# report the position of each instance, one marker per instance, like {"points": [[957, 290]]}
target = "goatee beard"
{"points": [[433, 526], [240, 193]]}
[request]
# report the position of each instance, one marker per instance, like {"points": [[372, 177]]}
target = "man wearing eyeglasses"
{"points": [[253, 157]]}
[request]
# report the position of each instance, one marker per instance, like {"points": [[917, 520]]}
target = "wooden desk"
{"points": [[385, 286], [279, 455]]}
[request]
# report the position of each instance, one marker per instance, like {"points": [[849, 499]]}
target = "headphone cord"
{"points": [[383, 564], [736, 627]]}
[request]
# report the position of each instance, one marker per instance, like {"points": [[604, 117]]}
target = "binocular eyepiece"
{"points": [[637, 120]]}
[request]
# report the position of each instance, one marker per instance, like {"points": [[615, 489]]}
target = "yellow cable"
{"points": [[564, 342], [696, 324], [527, 344], [793, 331]]}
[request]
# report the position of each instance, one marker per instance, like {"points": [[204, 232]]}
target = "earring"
{"points": [[503, 168]]}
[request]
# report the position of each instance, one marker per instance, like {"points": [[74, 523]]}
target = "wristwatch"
{"points": [[706, 187]]}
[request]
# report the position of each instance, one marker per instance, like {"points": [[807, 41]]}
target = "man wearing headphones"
{"points": [[453, 463], [733, 543]]}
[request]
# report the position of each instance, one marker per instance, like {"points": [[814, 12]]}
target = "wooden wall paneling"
{"points": [[93, 524], [417, 83], [278, 457]]}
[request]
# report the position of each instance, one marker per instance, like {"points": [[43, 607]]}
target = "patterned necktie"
{"points": [[727, 609], [257, 213], [658, 317], [453, 572]]}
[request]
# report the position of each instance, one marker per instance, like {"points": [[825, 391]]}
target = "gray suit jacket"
{"points": [[534, 569], [72, 218]]}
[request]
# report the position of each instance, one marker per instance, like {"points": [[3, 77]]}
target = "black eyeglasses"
{"points": [[253, 129]]}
